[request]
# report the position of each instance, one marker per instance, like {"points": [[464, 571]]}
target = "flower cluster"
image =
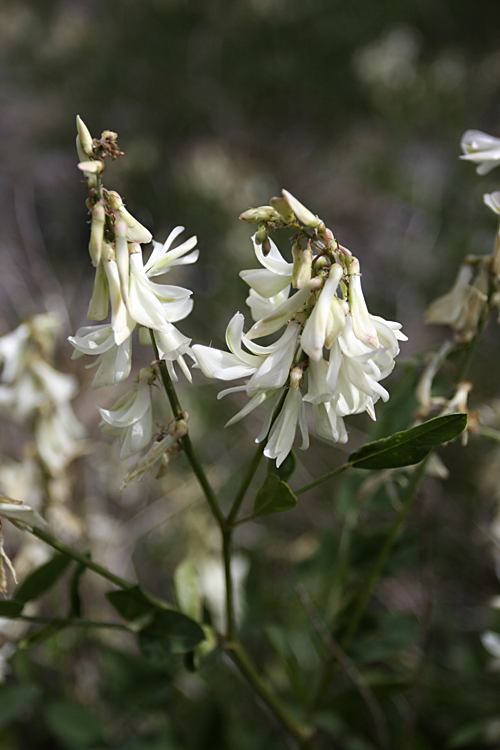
{"points": [[465, 305], [127, 284], [32, 390], [332, 352]]}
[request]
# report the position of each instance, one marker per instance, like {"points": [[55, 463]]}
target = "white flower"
{"points": [[261, 307], [18, 513], [172, 347], [155, 305], [328, 424], [131, 417], [163, 258], [315, 330], [284, 428], [58, 435], [361, 321], [12, 350], [121, 321], [274, 277], [282, 314], [267, 366], [114, 361], [481, 148]]}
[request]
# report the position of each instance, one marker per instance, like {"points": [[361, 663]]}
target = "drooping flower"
{"points": [[114, 362], [481, 148], [131, 417]]}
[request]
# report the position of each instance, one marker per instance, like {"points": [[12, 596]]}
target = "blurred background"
{"points": [[358, 109]]}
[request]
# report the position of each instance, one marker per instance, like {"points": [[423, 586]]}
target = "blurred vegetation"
{"points": [[358, 109]]}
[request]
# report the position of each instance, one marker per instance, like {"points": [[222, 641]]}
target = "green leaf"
{"points": [[52, 628], [411, 446], [285, 471], [172, 632], [15, 700], [74, 726], [10, 608], [273, 497], [42, 579], [132, 604]]}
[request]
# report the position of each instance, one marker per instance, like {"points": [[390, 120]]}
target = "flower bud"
{"points": [[301, 212], [257, 215], [96, 166], [98, 306], [283, 208], [84, 137], [297, 256], [122, 257], [305, 269], [97, 232], [136, 232]]}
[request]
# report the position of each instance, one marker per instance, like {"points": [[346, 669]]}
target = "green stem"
{"points": [[302, 733], [186, 440], [323, 479], [227, 548], [245, 484], [81, 558]]}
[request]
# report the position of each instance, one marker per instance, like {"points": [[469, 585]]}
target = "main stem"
{"points": [[186, 440], [236, 651]]}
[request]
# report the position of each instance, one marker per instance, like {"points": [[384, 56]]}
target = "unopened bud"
{"points": [[260, 214], [84, 137], [261, 235], [283, 208], [96, 166], [301, 212], [305, 270], [97, 232], [109, 135], [266, 247], [316, 283], [297, 256], [321, 261], [122, 257], [136, 232]]}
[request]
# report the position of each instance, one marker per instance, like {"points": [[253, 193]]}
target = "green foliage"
{"points": [[274, 496], [410, 446], [42, 579], [10, 608], [171, 632], [16, 700], [132, 604], [74, 726]]}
